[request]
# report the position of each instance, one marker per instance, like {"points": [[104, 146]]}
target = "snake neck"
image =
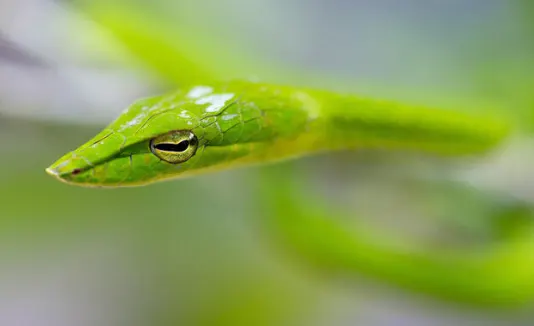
{"points": [[349, 122]]}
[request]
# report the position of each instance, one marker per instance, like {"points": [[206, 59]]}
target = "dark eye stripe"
{"points": [[169, 147]]}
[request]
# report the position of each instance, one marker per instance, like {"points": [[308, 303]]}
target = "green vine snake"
{"points": [[216, 126], [212, 127]]}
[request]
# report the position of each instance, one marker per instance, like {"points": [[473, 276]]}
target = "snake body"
{"points": [[222, 125]]}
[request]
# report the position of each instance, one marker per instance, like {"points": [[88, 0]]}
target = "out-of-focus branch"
{"points": [[498, 275]]}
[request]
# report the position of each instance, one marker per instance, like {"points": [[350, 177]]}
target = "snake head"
{"points": [[177, 135]]}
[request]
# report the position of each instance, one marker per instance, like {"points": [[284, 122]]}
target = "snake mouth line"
{"points": [[55, 173], [59, 176]]}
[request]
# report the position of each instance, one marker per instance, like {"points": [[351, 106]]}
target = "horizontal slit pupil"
{"points": [[167, 147]]}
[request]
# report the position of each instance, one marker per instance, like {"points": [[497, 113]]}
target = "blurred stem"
{"points": [[501, 275], [178, 51], [149, 42], [181, 53]]}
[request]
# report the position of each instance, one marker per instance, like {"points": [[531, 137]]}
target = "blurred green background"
{"points": [[366, 238]]}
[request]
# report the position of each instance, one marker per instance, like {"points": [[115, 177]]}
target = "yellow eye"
{"points": [[175, 147]]}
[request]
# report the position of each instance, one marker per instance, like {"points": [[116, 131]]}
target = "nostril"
{"points": [[76, 171]]}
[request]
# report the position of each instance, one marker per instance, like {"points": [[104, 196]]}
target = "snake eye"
{"points": [[175, 147], [167, 147]]}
